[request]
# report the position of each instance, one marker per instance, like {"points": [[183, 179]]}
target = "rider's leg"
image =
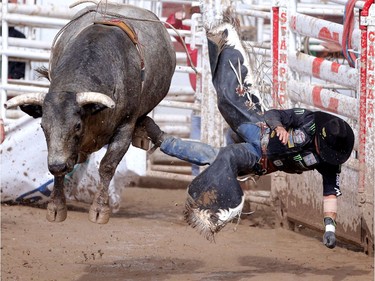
{"points": [[190, 151], [215, 196]]}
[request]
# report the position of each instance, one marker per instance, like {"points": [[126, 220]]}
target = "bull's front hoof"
{"points": [[99, 213], [56, 212]]}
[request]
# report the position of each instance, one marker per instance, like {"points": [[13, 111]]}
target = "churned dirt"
{"points": [[148, 240]]}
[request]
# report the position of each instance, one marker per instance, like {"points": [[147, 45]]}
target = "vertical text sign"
{"points": [[283, 56]]}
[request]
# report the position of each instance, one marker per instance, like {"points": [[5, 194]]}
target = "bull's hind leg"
{"points": [[99, 210], [56, 208]]}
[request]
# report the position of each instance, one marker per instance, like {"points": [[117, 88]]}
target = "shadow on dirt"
{"points": [[264, 265], [148, 268], [155, 268]]}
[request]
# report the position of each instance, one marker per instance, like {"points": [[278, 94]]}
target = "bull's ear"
{"points": [[93, 108], [33, 110]]}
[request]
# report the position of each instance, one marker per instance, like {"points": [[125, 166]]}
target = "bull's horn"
{"points": [[83, 1], [29, 98], [94, 97]]}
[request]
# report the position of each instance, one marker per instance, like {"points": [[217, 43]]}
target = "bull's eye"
{"points": [[77, 127]]}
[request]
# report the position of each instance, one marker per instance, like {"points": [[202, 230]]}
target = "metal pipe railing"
{"points": [[321, 29], [358, 4], [27, 43], [34, 21], [49, 10], [4, 58], [323, 98], [324, 69], [35, 56]]}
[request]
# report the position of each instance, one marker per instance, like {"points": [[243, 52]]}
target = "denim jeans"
{"points": [[203, 154]]}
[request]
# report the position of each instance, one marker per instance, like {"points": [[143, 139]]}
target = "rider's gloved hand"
{"points": [[329, 237]]}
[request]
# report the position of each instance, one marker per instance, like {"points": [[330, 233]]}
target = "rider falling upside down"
{"points": [[292, 140]]}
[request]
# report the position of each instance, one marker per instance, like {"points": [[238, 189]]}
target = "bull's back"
{"points": [[154, 42]]}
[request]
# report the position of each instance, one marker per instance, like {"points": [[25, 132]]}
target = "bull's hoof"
{"points": [[56, 212], [99, 213]]}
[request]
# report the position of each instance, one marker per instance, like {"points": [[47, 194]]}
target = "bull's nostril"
{"points": [[58, 168]]}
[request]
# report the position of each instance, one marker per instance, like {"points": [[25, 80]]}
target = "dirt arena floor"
{"points": [[148, 240]]}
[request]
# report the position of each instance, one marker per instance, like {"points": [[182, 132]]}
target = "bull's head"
{"points": [[62, 116]]}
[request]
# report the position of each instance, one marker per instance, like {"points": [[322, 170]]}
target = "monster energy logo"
{"points": [[297, 158], [299, 111], [312, 127]]}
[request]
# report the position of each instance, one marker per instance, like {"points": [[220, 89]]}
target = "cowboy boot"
{"points": [[147, 131], [215, 196]]}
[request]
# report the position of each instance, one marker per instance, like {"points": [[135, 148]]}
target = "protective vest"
{"points": [[299, 154]]}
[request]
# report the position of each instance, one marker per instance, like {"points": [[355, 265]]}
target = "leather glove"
{"points": [[329, 237]]}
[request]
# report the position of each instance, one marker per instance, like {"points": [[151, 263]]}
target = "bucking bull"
{"points": [[109, 67]]}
